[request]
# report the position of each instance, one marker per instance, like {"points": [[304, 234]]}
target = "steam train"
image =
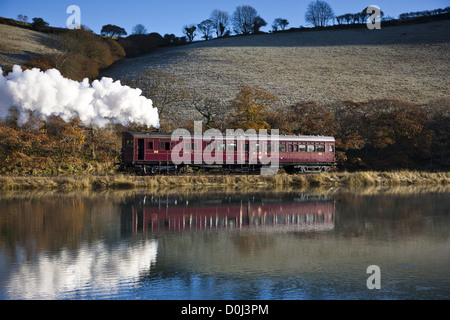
{"points": [[146, 153]]}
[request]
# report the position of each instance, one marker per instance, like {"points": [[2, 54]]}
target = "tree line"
{"points": [[382, 134], [319, 13], [243, 21]]}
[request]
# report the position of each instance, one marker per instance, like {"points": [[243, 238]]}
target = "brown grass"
{"points": [[205, 182]]}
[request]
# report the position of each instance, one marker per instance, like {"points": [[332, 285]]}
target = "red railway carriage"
{"points": [[155, 152]]}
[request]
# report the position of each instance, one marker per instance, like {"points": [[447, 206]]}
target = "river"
{"points": [[332, 244]]}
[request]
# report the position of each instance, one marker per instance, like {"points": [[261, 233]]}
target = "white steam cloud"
{"points": [[49, 93]]}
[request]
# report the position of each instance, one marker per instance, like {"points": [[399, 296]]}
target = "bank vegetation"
{"points": [[237, 182]]}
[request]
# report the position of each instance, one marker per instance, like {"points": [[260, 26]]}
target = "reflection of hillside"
{"points": [[388, 215], [257, 211], [54, 221]]}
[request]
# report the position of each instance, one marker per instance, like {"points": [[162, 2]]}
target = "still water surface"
{"points": [[225, 245]]}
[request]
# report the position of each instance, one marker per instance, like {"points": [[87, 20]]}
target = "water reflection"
{"points": [[93, 270], [149, 213], [224, 245]]}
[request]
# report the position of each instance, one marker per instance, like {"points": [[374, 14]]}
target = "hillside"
{"points": [[17, 45], [408, 62]]}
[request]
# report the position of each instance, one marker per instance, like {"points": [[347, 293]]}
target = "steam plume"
{"points": [[49, 93]]}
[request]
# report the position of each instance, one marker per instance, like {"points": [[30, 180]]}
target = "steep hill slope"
{"points": [[410, 63], [17, 45]]}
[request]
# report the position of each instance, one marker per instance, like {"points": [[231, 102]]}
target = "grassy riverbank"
{"points": [[201, 181]]}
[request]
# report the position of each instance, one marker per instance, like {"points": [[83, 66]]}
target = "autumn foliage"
{"points": [[55, 146], [375, 135], [249, 109], [379, 134]]}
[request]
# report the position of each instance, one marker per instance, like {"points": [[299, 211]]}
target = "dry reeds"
{"points": [[327, 179]]}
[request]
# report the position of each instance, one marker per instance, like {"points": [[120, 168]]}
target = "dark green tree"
{"points": [[111, 31], [39, 23]]}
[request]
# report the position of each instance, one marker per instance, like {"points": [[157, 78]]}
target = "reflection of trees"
{"points": [[384, 215], [52, 223], [249, 243]]}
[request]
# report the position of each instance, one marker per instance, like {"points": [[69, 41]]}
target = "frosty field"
{"points": [[409, 63]]}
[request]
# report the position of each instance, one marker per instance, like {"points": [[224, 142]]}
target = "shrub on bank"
{"points": [[79, 54]]}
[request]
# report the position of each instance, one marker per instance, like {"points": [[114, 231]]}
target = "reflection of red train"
{"points": [[302, 215], [152, 152]]}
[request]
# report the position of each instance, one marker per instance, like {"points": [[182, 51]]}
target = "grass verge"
{"points": [[120, 181]]}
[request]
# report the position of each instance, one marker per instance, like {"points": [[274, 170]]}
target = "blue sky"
{"points": [[169, 16]]}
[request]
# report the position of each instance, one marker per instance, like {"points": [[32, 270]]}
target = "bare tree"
{"points": [[348, 17], [318, 13], [213, 110], [206, 27], [189, 31], [220, 20], [139, 29], [279, 23], [340, 19], [165, 90], [22, 18], [243, 19]]}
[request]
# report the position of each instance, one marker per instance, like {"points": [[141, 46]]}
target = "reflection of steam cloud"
{"points": [[93, 268], [298, 214]]}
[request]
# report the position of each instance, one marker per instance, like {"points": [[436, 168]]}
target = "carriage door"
{"points": [[140, 149], [164, 150]]}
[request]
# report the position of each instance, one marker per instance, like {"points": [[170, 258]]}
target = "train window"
{"points": [[302, 148], [291, 148], [187, 146], [150, 145], [295, 147], [310, 148], [194, 146], [320, 148], [164, 146], [282, 147], [331, 148], [231, 147], [268, 147], [129, 143]]}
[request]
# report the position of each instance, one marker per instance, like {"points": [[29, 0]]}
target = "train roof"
{"points": [[280, 137]]}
